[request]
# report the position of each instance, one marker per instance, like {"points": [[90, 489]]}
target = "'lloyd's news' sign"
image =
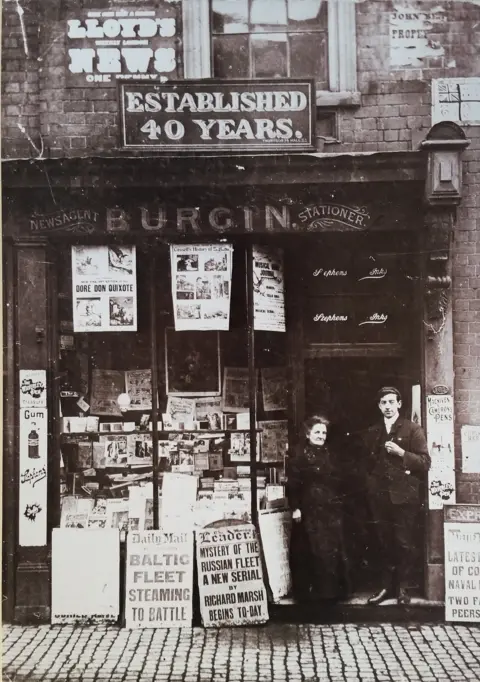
{"points": [[217, 115]]}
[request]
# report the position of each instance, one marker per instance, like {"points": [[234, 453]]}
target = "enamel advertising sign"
{"points": [[233, 115]]}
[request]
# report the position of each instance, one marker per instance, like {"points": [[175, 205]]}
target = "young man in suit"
{"points": [[397, 459]]}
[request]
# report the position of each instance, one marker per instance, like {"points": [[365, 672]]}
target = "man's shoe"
{"points": [[403, 597], [380, 596]]}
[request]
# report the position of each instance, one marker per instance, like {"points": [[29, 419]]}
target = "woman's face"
{"points": [[317, 434]]}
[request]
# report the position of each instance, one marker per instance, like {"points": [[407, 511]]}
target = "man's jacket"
{"points": [[399, 476]]}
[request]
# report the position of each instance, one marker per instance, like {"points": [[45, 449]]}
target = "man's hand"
{"points": [[297, 515], [394, 449]]}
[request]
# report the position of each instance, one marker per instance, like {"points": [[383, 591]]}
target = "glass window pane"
{"points": [[268, 14], [269, 55], [306, 14], [308, 56], [230, 57], [230, 16]]}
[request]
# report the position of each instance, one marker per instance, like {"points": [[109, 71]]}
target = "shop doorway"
{"points": [[344, 389]]}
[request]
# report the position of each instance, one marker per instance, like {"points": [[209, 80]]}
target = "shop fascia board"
{"points": [[109, 172]]}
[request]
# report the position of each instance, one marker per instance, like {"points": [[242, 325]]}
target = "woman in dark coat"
{"points": [[317, 552]]}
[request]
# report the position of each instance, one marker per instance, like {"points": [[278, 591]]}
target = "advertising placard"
{"points": [[230, 578], [33, 388], [159, 579], [104, 280], [33, 462], [201, 285], [462, 563], [85, 575], [440, 439], [127, 42], [470, 449], [275, 534], [268, 289], [216, 115]]}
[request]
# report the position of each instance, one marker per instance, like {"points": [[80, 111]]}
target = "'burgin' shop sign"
{"points": [[233, 115]]}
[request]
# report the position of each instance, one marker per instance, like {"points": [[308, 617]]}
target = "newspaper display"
{"points": [[274, 388], [440, 439], [268, 289], [275, 528], [201, 285], [104, 281], [138, 385], [107, 384], [230, 579], [470, 449], [274, 440]]}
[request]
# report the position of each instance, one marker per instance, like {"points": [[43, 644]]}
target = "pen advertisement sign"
{"points": [[441, 476], [231, 115], [230, 576], [201, 285], [126, 42], [32, 505], [159, 579], [462, 563], [104, 280], [268, 289]]}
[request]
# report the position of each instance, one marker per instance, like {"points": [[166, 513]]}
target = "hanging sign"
{"points": [[32, 505], [229, 115], [104, 282], [440, 438], [126, 42], [159, 579], [470, 449], [230, 576], [201, 285], [462, 563], [275, 529], [85, 575], [268, 289]]}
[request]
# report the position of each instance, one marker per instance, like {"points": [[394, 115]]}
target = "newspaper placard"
{"points": [[274, 388], [470, 449], [441, 477], [201, 284], [274, 440], [462, 563], [33, 464], [85, 575], [33, 388], [268, 289], [104, 284], [138, 385], [179, 495], [275, 527], [107, 384], [230, 580], [159, 579]]}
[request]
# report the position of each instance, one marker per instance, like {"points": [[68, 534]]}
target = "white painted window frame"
{"points": [[342, 49]]}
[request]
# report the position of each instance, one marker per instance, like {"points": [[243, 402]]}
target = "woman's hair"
{"points": [[309, 423]]}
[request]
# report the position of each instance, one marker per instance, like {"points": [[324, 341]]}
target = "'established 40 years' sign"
{"points": [[233, 115]]}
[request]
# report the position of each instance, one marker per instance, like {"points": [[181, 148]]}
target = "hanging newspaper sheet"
{"points": [[201, 284], [104, 288], [275, 529], [268, 289]]}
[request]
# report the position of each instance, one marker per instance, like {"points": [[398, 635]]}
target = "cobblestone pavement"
{"points": [[274, 652]]}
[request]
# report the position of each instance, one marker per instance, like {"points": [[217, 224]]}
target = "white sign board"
{"points": [[230, 578], [104, 280], [85, 575], [33, 488], [159, 579], [179, 497], [440, 438], [275, 527], [268, 289], [457, 100], [470, 449], [462, 563]]}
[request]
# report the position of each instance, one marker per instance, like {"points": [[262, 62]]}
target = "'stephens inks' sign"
{"points": [[218, 115]]}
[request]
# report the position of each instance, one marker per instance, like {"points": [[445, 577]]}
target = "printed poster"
{"points": [[138, 384], [33, 388], [107, 384], [440, 439], [104, 282], [32, 505], [236, 389], [274, 440], [470, 449], [201, 286], [181, 411], [268, 289], [274, 388]]}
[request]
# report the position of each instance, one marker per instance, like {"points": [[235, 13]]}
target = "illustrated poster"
{"points": [[138, 384], [104, 282], [274, 440], [236, 389], [201, 284], [274, 388], [33, 388], [268, 289], [32, 504], [107, 384]]}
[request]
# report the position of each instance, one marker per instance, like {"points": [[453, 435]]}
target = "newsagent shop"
{"points": [[165, 340]]}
